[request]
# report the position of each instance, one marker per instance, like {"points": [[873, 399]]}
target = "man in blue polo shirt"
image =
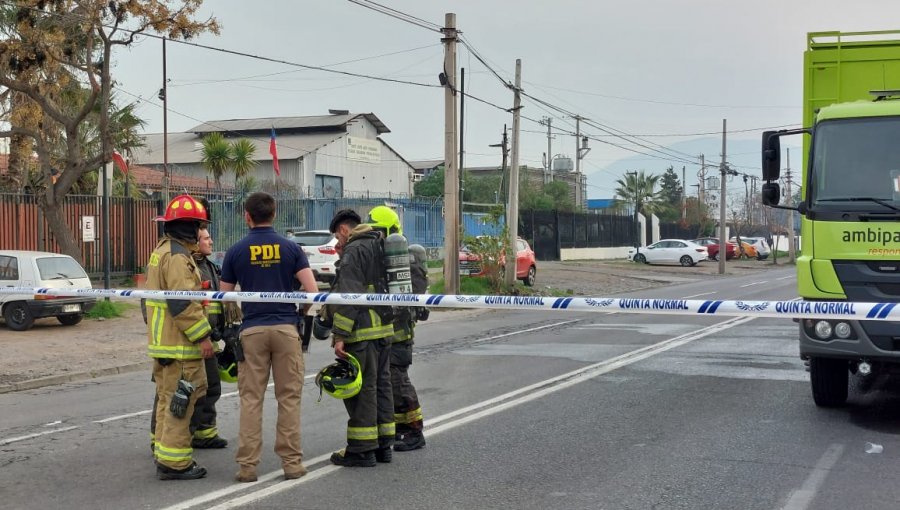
{"points": [[264, 261]]}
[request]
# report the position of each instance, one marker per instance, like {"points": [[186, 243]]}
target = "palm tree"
{"points": [[639, 189], [216, 156], [242, 161]]}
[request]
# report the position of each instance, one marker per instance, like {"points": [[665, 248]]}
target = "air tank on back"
{"points": [[396, 263]]}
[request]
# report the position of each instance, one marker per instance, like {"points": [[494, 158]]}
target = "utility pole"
{"points": [[512, 211], [451, 170], [723, 251], [548, 175], [504, 148], [581, 150], [165, 100], [462, 150], [683, 193], [792, 252]]}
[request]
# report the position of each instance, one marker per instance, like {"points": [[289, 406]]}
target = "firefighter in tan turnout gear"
{"points": [[178, 339]]}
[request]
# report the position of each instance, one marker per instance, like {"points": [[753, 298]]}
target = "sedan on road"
{"points": [[669, 251]]}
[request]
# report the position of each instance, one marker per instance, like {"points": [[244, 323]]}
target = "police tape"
{"points": [[778, 309]]}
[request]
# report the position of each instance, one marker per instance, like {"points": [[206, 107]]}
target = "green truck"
{"points": [[850, 203]]}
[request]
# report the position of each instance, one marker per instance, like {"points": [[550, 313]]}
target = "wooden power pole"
{"points": [[512, 211], [451, 170]]}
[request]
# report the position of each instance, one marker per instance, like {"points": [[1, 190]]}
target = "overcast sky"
{"points": [[664, 67]]}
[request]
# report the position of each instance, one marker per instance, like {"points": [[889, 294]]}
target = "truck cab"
{"points": [[850, 208]]}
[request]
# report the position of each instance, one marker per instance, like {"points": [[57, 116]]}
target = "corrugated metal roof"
{"points": [[186, 147], [307, 123], [426, 164]]}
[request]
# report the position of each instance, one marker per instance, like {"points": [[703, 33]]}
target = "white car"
{"points": [[41, 270], [319, 248], [669, 251], [762, 246]]}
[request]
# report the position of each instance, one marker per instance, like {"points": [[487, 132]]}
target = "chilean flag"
{"points": [[120, 162], [273, 150]]}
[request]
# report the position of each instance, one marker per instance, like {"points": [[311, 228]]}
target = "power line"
{"points": [[238, 53], [222, 129], [266, 75], [699, 105], [400, 15]]}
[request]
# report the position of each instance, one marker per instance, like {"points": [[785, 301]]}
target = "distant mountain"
{"points": [[743, 154]]}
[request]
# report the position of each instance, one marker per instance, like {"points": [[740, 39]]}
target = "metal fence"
{"points": [[133, 233], [677, 231], [548, 232]]}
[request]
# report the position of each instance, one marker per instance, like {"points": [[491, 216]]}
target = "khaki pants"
{"points": [[276, 348], [173, 435]]}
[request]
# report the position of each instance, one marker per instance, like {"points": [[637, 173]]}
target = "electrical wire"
{"points": [[240, 53], [400, 15], [266, 75], [222, 129]]}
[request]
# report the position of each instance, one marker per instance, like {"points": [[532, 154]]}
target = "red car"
{"points": [[712, 247], [526, 264]]}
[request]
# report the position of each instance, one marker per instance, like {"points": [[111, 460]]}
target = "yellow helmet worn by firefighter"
{"points": [[341, 379], [385, 218]]}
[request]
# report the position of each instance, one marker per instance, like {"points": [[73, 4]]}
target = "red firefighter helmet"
{"points": [[184, 207]]}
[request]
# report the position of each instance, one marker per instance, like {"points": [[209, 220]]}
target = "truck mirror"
{"points": [[771, 156], [771, 193]]}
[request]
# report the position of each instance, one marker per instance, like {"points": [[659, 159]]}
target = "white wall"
{"points": [[620, 252], [391, 175]]}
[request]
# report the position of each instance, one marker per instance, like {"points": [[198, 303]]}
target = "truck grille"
{"points": [[878, 282]]}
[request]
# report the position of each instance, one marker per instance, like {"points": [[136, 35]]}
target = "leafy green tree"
{"points": [[432, 185], [215, 156], [670, 193], [56, 56], [639, 189], [481, 190], [242, 158]]}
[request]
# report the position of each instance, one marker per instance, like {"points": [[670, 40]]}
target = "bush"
{"points": [[107, 309]]}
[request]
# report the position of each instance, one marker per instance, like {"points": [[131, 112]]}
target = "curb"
{"points": [[55, 380]]}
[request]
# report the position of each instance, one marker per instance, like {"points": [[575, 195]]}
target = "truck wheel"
{"points": [[18, 316], [69, 319], [830, 380]]}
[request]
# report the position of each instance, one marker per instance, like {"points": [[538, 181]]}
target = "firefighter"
{"points": [[407, 410], [178, 339], [365, 333], [203, 423]]}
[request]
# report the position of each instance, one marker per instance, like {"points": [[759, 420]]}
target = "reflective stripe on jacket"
{"points": [[174, 326], [361, 271]]}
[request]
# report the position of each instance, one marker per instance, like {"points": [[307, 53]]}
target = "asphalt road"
{"points": [[523, 410]]}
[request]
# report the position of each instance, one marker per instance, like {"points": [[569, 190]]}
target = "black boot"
{"points": [[209, 443], [349, 459], [410, 441], [384, 455], [193, 472]]}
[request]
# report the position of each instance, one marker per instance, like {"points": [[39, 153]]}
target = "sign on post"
{"points": [[87, 229]]}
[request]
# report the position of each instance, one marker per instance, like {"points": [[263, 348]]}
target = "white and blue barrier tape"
{"points": [[777, 309]]}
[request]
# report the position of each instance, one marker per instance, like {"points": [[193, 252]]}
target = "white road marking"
{"points": [[4, 442], [786, 277], [52, 423], [468, 414], [123, 416], [698, 295], [801, 498], [755, 283]]}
